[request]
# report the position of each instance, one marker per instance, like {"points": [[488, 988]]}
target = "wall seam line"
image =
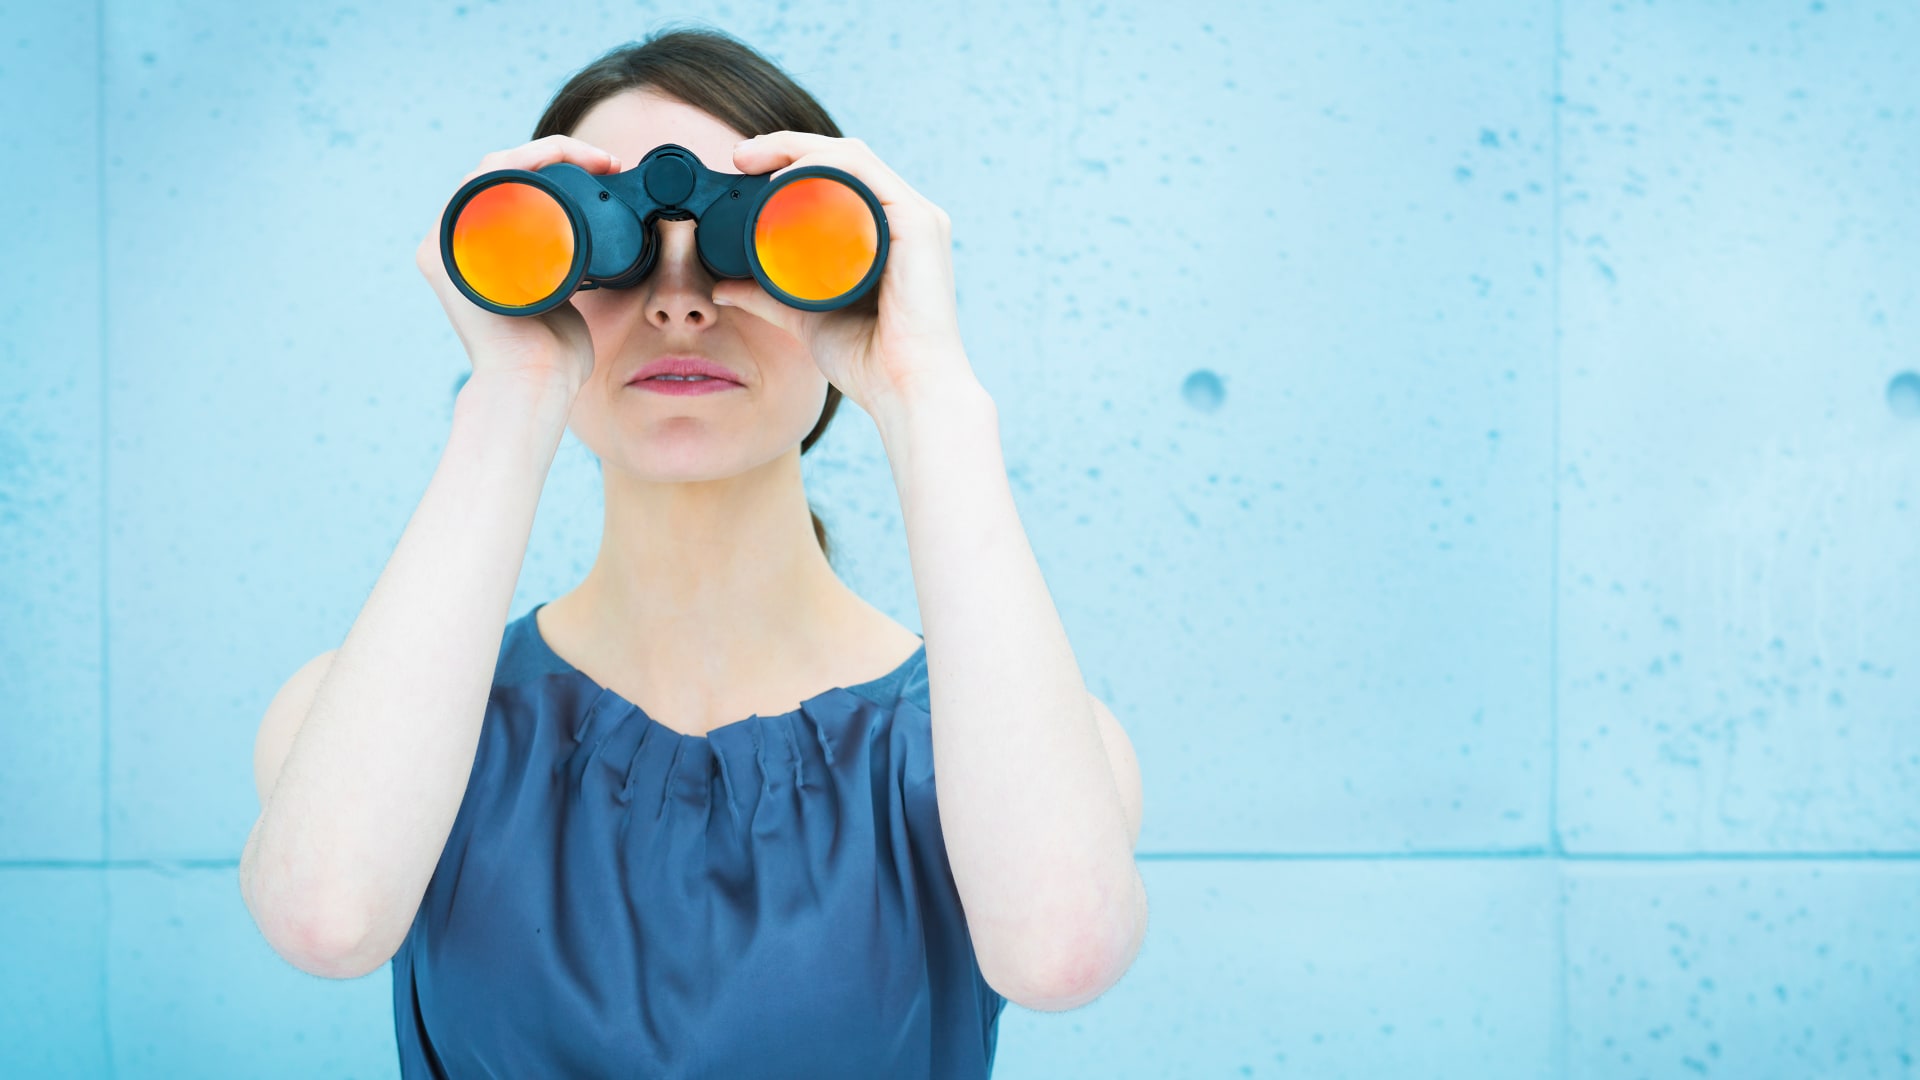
{"points": [[106, 456], [1562, 990]]}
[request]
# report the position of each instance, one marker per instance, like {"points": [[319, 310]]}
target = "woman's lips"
{"points": [[661, 384]]}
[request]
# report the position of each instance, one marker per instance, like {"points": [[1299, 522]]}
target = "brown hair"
{"points": [[722, 76]]}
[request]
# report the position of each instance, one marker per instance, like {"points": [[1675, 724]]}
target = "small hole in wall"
{"points": [[1203, 390], [1903, 394]]}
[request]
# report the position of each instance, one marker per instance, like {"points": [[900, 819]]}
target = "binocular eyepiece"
{"points": [[520, 242]]}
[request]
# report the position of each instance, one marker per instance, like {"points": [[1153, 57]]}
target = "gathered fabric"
{"points": [[619, 899]]}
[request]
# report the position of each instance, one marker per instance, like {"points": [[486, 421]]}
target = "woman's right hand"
{"points": [[544, 350]]}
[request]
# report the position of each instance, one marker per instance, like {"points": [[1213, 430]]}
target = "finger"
{"points": [[541, 152], [782, 150], [749, 297]]}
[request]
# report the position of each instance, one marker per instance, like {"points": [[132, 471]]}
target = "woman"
{"points": [[578, 856]]}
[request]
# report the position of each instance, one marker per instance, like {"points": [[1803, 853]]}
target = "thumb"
{"points": [[749, 297]]}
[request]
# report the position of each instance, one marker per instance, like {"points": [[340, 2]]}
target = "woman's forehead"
{"points": [[632, 122]]}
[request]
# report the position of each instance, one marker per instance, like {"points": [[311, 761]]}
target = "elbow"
{"points": [[333, 955], [316, 940], [1086, 958], [1078, 981], [326, 950]]}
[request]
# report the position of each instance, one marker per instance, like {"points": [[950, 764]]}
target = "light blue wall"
{"points": [[1475, 448]]}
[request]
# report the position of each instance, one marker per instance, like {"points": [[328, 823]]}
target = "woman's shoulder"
{"points": [[913, 680], [906, 679], [522, 657]]}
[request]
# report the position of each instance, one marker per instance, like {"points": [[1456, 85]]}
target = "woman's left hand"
{"points": [[909, 343]]}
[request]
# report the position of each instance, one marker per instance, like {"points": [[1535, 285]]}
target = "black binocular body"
{"points": [[520, 242]]}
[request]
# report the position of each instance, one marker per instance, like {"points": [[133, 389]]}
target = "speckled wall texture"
{"points": [[1475, 448]]}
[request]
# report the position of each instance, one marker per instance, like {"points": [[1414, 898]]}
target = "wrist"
{"points": [[510, 420], [505, 392], [961, 397]]}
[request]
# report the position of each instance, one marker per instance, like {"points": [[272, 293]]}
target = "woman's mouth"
{"points": [[685, 385]]}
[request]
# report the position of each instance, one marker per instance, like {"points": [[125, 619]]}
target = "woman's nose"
{"points": [[678, 288], [677, 246]]}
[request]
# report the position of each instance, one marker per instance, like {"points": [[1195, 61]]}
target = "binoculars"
{"points": [[520, 242]]}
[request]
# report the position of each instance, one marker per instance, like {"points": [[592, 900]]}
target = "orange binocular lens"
{"points": [[513, 243], [816, 238]]}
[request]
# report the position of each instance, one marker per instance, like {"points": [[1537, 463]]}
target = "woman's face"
{"points": [[656, 436]]}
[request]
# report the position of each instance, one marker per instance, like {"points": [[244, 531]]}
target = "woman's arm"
{"points": [[1037, 814], [341, 855], [1038, 804]]}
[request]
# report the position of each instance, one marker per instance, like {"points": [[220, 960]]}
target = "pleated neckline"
{"points": [[877, 690]]}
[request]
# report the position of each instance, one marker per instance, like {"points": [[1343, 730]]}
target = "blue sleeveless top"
{"points": [[618, 899]]}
